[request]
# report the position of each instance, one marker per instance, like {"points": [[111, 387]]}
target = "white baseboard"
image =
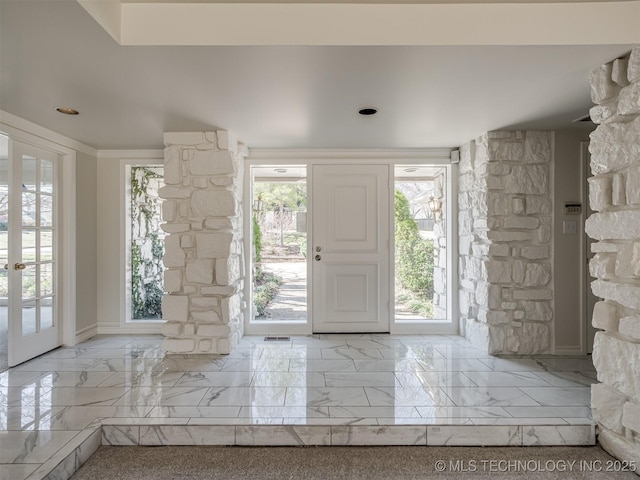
{"points": [[86, 333], [568, 351], [130, 329]]}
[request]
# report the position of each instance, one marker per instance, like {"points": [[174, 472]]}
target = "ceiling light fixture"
{"points": [[280, 170], [367, 111], [67, 110], [410, 170]]}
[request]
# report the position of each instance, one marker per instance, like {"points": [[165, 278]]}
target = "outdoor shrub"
{"points": [[414, 254], [265, 292], [257, 239]]}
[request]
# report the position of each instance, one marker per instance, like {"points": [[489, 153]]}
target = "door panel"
{"points": [[32, 260], [351, 248]]}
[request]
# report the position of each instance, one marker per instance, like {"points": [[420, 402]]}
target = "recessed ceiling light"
{"points": [[368, 111], [410, 170], [67, 111], [280, 170]]}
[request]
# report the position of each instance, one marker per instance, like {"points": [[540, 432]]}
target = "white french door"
{"points": [[29, 248], [350, 252]]}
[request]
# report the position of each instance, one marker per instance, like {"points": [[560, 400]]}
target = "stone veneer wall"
{"points": [[614, 194], [440, 248], [505, 229], [203, 248]]}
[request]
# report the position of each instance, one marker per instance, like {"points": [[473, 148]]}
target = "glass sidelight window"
{"points": [[145, 242], [279, 244], [420, 243]]}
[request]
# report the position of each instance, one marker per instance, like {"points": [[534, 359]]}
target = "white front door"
{"points": [[31, 259], [350, 249]]}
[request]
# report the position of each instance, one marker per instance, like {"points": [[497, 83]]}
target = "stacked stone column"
{"points": [[440, 248], [202, 210], [505, 229], [614, 194]]}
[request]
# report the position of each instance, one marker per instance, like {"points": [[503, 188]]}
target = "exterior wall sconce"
{"points": [[258, 205], [435, 206]]}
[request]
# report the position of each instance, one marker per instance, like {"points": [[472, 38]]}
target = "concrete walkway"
{"points": [[291, 301]]}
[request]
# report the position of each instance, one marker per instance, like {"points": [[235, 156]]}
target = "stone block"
{"points": [[169, 209], [534, 338], [183, 138], [212, 162], [496, 203], [538, 205], [606, 404], [220, 290], [179, 345], [170, 192], [494, 182], [227, 270], [200, 271], [200, 182], [632, 186], [631, 416], [498, 250], [509, 305], [619, 71], [508, 236], [213, 245], [213, 203], [172, 281], [628, 260], [206, 346], [521, 222], [517, 204], [602, 265], [208, 316], [518, 271], [204, 302], [184, 209], [498, 317], [618, 196], [466, 161], [172, 173], [535, 252], [606, 113], [627, 295], [501, 150], [633, 66], [212, 330], [604, 247], [603, 87], [222, 181], [496, 271], [186, 241], [630, 326], [533, 294], [620, 447], [538, 311], [189, 330], [173, 254], [629, 100], [528, 179], [614, 146], [537, 274], [175, 227], [189, 289], [537, 147], [175, 307], [231, 308], [619, 225], [218, 224], [544, 234], [196, 225], [616, 361], [171, 329], [600, 192], [498, 169], [605, 316]]}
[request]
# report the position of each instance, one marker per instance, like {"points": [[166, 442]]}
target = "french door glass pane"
{"points": [[46, 245], [46, 176], [29, 209], [29, 276], [29, 173], [29, 317], [46, 210], [46, 313]]}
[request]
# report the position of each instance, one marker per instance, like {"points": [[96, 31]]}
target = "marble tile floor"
{"points": [[320, 390]]}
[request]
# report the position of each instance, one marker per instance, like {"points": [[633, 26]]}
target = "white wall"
{"points": [[568, 257], [86, 244]]}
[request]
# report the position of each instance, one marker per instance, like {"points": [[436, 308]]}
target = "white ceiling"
{"points": [[54, 53]]}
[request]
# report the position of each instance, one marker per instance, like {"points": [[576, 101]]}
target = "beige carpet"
{"points": [[350, 463]]}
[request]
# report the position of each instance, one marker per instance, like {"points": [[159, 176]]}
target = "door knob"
{"points": [[6, 266], [318, 258], [19, 266], [318, 249]]}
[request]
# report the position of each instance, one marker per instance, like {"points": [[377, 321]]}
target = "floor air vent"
{"points": [[277, 339]]}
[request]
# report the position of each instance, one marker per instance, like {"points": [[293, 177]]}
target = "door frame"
{"points": [[19, 130], [391, 157]]}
